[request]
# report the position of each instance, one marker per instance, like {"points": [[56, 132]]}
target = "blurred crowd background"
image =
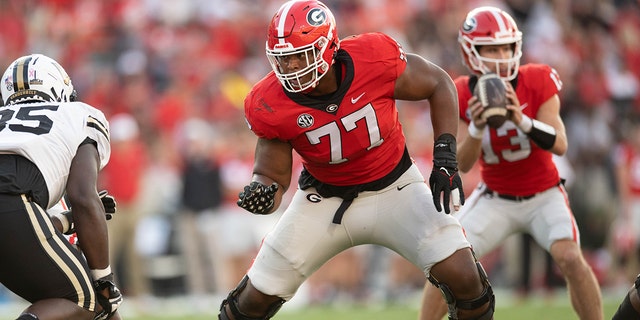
{"points": [[171, 77]]}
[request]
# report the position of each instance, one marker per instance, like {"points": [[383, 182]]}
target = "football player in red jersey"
{"points": [[521, 188], [333, 102]]}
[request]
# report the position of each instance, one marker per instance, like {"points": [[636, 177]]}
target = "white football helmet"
{"points": [[35, 78]]}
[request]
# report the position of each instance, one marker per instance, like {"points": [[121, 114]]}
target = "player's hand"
{"points": [[475, 111], [108, 296], [513, 104], [258, 198], [444, 179], [109, 203]]}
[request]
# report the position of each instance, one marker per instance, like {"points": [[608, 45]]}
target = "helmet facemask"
{"points": [[311, 55], [484, 65], [490, 26], [304, 31]]}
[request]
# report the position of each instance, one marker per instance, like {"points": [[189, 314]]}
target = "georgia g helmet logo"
{"points": [[469, 25], [316, 17]]}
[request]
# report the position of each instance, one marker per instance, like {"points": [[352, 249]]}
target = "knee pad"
{"points": [[27, 316], [454, 304], [234, 308]]}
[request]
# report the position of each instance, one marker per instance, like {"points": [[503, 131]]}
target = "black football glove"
{"points": [[444, 177], [109, 203], [258, 198], [108, 296]]}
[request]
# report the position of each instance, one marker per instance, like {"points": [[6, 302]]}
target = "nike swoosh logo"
{"points": [[354, 100], [403, 186], [522, 107]]}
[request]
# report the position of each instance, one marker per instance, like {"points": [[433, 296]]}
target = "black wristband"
{"points": [[444, 151], [542, 134]]}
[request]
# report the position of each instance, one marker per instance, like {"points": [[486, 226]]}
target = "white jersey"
{"points": [[49, 134]]}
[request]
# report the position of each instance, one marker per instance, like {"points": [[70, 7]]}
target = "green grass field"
{"points": [[556, 307], [521, 312], [527, 311]]}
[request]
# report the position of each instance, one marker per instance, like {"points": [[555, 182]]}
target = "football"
{"points": [[491, 93]]}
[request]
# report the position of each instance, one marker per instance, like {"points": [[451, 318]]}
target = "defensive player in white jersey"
{"points": [[50, 145], [521, 188]]}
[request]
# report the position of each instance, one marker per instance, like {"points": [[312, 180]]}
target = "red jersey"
{"points": [[510, 162], [351, 136]]}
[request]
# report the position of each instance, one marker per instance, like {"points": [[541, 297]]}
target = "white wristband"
{"points": [[525, 124], [64, 221], [474, 132], [100, 273]]}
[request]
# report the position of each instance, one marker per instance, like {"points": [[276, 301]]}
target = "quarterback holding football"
{"points": [[521, 189]]}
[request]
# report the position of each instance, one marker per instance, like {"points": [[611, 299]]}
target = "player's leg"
{"points": [[53, 309], [59, 309], [630, 307], [43, 267], [584, 290], [554, 228], [407, 216], [303, 240], [433, 306], [464, 286], [485, 225], [245, 302]]}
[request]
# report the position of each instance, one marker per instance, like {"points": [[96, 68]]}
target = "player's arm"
{"points": [[271, 177], [470, 147], [549, 113], [547, 129], [63, 219], [91, 227], [88, 212], [420, 80]]}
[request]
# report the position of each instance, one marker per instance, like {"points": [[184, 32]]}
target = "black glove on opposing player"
{"points": [[444, 177], [108, 202], [108, 296], [258, 198]]}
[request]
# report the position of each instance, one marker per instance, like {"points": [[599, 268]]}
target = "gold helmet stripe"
{"points": [[21, 74]]}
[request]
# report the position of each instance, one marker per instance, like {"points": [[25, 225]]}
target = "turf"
{"points": [[521, 312], [545, 308]]}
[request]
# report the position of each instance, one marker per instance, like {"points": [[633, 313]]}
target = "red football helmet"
{"points": [[307, 30], [490, 26]]}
